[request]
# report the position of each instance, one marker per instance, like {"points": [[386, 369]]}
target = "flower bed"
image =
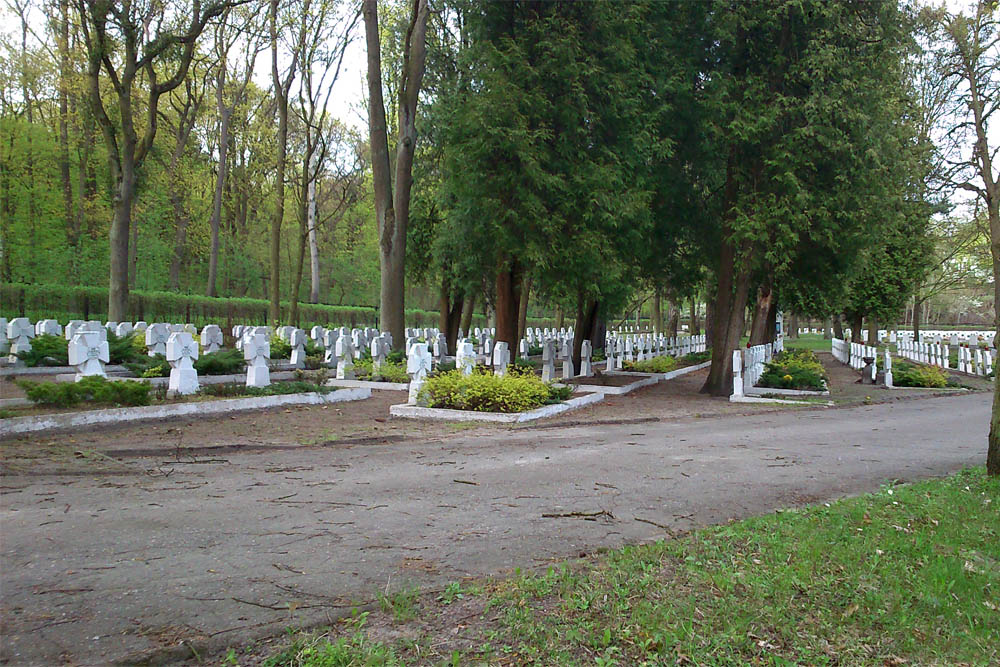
{"points": [[484, 392], [794, 369]]}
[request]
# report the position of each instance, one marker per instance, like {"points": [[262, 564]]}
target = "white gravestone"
{"points": [[548, 361], [465, 357], [378, 350], [156, 338], [19, 333], [345, 358], [140, 327], [586, 365], [523, 347], [71, 328], [316, 333], [50, 328], [88, 352], [330, 337], [358, 342], [297, 339], [4, 341], [257, 352], [567, 360], [418, 365], [501, 357], [211, 338], [124, 329], [182, 352]]}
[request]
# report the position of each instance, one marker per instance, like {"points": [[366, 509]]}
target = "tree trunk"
{"points": [[522, 308], [673, 319], [281, 104], [872, 331], [225, 115], [118, 236], [759, 323], [72, 229], [656, 316], [993, 214], [467, 308], [560, 317], [695, 326], [392, 209], [508, 296], [793, 326], [313, 245], [771, 322], [838, 327], [856, 325], [181, 222], [450, 307], [583, 328], [827, 324], [727, 320], [917, 307], [300, 256]]}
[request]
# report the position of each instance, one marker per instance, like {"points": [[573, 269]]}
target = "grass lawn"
{"points": [[814, 342], [907, 575]]}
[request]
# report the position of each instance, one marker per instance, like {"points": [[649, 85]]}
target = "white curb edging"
{"points": [[16, 425], [418, 412], [370, 384]]}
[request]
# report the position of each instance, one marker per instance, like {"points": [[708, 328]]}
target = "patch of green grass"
{"points": [[402, 604], [907, 575], [814, 342], [231, 389]]}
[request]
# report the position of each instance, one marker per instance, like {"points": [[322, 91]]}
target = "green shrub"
{"points": [[280, 349], [654, 365], [220, 362], [695, 358], [233, 389], [46, 350], [485, 392], [93, 389], [905, 374], [794, 369], [389, 371]]}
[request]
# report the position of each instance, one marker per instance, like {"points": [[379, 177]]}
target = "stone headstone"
{"points": [[19, 333], [586, 353], [465, 357], [124, 330], [4, 341], [257, 352], [156, 338], [548, 360], [418, 365], [182, 352], [211, 338], [316, 333], [330, 337], [71, 328], [140, 327], [501, 358], [378, 350], [88, 352], [344, 352], [50, 328], [297, 339], [567, 359]]}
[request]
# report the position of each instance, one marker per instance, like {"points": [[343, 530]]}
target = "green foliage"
{"points": [[485, 392], [234, 389], [279, 348], [694, 358], [125, 349], [92, 389], [221, 362], [389, 371], [663, 364], [794, 369], [46, 350], [905, 374]]}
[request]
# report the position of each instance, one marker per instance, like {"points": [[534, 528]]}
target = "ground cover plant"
{"points": [[794, 369], [389, 371], [236, 389], [662, 364], [94, 390], [907, 575], [905, 374], [485, 392]]}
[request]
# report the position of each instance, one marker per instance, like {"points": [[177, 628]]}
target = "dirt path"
{"points": [[216, 531]]}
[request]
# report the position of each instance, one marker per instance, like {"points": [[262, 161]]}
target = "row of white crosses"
{"points": [[749, 364]]}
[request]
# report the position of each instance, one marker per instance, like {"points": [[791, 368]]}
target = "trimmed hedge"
{"points": [[65, 303]]}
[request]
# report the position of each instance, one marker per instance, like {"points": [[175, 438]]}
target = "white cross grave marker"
{"points": [[257, 351], [182, 351], [88, 351]]}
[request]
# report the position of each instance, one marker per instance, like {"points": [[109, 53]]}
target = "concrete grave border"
{"points": [[35, 423], [418, 412], [370, 384]]}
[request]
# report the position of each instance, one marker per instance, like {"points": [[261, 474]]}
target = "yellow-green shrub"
{"points": [[652, 365], [485, 392]]}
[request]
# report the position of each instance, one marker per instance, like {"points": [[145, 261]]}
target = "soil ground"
{"points": [[143, 540]]}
